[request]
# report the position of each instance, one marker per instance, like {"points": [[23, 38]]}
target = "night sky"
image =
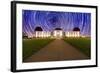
{"points": [[49, 20]]}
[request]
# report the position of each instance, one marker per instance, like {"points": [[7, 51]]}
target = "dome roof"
{"points": [[58, 29], [38, 29], [76, 29]]}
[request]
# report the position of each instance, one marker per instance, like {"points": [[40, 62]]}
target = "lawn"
{"points": [[31, 46], [82, 44]]}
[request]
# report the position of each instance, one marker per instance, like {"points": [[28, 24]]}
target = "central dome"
{"points": [[58, 29], [38, 29]]}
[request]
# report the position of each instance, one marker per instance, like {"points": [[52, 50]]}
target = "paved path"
{"points": [[56, 51]]}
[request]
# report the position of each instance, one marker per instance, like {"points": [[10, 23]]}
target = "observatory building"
{"points": [[56, 33]]}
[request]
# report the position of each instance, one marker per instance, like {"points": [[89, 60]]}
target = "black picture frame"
{"points": [[13, 34]]}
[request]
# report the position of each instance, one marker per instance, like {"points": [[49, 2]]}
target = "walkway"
{"points": [[56, 51]]}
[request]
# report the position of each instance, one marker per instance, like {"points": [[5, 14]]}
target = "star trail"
{"points": [[49, 20]]}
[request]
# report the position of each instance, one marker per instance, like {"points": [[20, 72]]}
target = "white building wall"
{"points": [[58, 33], [42, 34], [72, 34]]}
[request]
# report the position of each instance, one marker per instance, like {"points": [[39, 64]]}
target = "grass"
{"points": [[82, 44], [31, 46]]}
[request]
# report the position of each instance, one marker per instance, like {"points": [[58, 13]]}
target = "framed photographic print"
{"points": [[47, 36]]}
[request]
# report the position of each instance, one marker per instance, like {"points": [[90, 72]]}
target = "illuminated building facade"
{"points": [[57, 33]]}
